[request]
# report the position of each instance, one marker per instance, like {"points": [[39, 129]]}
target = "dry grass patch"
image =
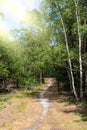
{"points": [[20, 110]]}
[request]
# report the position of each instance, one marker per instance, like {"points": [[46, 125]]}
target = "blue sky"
{"points": [[14, 12]]}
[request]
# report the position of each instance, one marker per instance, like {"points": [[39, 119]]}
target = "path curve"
{"points": [[45, 105]]}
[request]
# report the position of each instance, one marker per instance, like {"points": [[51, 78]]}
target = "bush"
{"points": [[29, 82]]}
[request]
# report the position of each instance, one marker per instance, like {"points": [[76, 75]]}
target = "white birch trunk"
{"points": [[69, 60], [80, 44]]}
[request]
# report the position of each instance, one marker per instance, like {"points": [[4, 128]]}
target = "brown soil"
{"points": [[14, 117], [23, 113], [62, 115]]}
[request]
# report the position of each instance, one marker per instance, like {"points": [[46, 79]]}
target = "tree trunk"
{"points": [[58, 86], [41, 78], [4, 84], [68, 53], [86, 81], [69, 76], [80, 45], [17, 84]]}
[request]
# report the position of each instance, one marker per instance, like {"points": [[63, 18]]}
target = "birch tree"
{"points": [[68, 53], [80, 44]]}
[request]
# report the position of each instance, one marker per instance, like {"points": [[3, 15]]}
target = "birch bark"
{"points": [[68, 53], [80, 46]]}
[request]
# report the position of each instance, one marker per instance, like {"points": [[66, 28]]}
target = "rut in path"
{"points": [[45, 105]]}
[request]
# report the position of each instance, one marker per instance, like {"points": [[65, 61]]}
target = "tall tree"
{"points": [[56, 10], [80, 46], [69, 59]]}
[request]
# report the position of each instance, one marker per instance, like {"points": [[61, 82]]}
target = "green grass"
{"points": [[8, 126], [30, 94], [2, 106], [6, 98], [20, 107], [71, 100]]}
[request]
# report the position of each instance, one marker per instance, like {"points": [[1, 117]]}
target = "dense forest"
{"points": [[51, 42]]}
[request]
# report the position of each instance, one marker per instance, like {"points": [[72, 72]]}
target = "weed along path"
{"points": [[45, 106]]}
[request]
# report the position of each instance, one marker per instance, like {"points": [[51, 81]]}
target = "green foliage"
{"points": [[3, 70], [60, 55], [39, 45], [83, 29], [71, 100], [29, 83]]}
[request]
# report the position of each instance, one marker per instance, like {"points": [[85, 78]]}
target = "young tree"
{"points": [[56, 13], [80, 47], [69, 59]]}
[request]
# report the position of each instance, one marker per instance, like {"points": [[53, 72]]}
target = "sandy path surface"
{"points": [[44, 101]]}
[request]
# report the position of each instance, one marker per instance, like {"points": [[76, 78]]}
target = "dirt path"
{"points": [[62, 114], [45, 105], [44, 110]]}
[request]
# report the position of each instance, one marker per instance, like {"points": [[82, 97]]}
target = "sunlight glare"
{"points": [[16, 7], [15, 12], [3, 29]]}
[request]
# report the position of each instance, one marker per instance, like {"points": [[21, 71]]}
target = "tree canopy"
{"points": [[51, 42]]}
